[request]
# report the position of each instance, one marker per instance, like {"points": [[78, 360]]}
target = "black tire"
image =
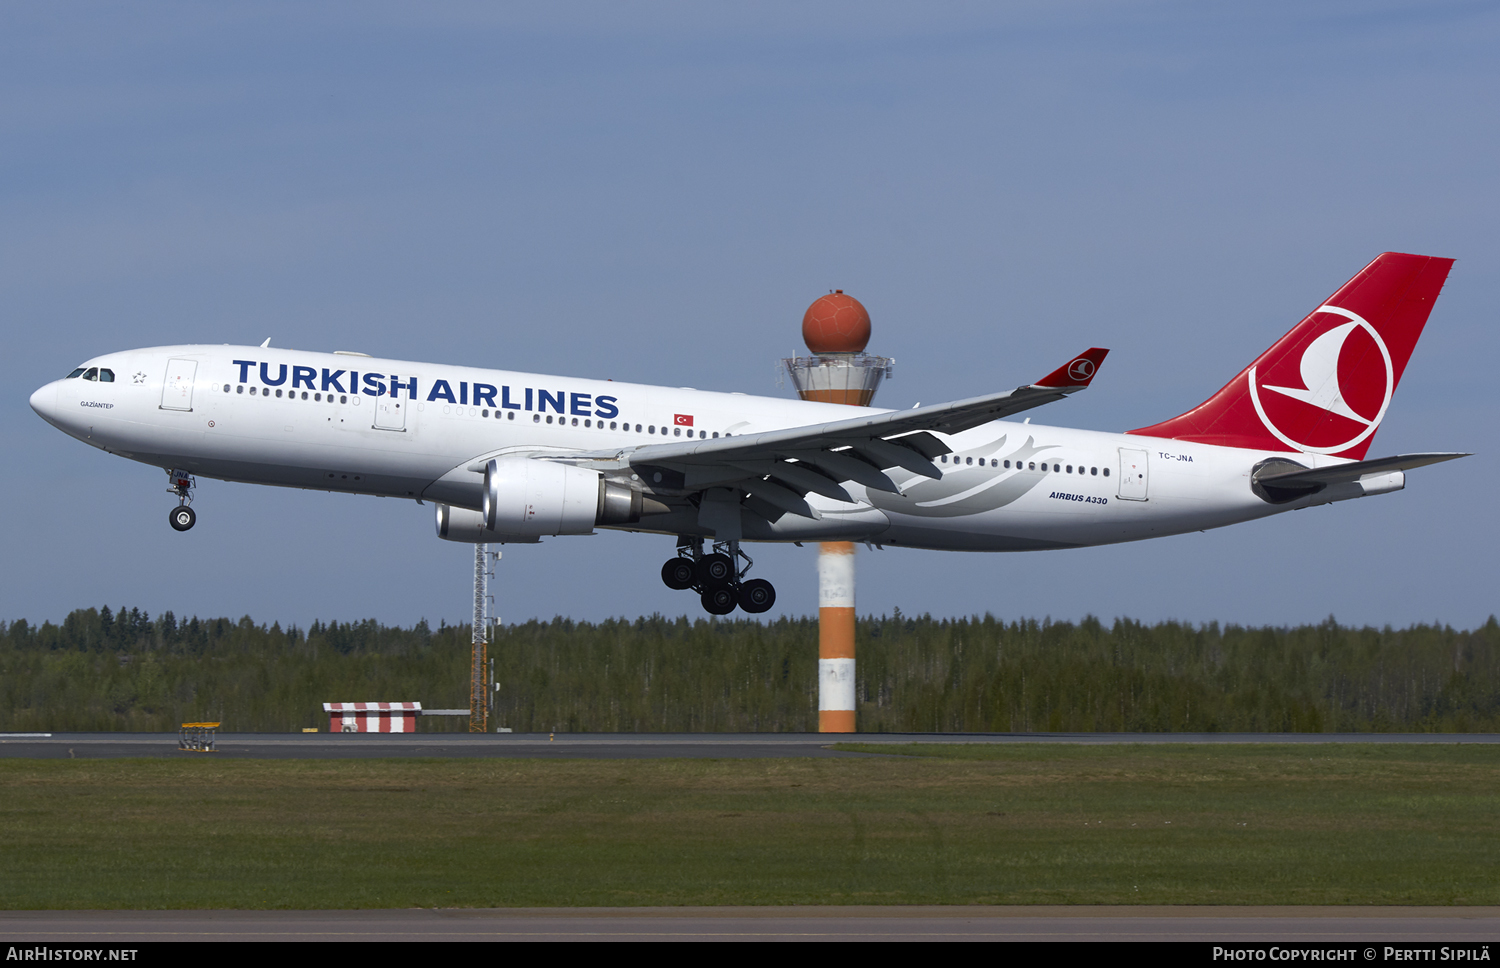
{"points": [[757, 595], [678, 573], [719, 601], [716, 571], [182, 518]]}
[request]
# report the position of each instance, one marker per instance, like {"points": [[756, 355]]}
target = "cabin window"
{"points": [[968, 460], [676, 431], [1033, 465], [536, 418], [278, 393], [226, 388], [1106, 472], [342, 398], [1094, 471], [509, 416], [944, 458], [716, 434], [238, 389]]}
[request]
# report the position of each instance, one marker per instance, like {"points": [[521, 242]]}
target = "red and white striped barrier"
{"points": [[372, 717]]}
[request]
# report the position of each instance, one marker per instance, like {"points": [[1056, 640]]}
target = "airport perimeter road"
{"points": [[616, 745], [1357, 927]]}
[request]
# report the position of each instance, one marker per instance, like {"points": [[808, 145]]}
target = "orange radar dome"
{"points": [[836, 323]]}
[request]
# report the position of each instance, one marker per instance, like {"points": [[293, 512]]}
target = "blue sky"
{"points": [[655, 192]]}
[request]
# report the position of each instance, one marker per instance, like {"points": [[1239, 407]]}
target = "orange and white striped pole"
{"points": [[836, 329], [836, 637]]}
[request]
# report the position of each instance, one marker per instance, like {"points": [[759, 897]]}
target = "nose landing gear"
{"points": [[182, 517], [717, 577]]}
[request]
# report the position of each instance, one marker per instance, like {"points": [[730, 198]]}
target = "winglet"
{"points": [[1075, 374]]}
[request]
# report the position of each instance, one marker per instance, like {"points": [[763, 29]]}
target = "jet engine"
{"points": [[525, 499], [466, 526]]}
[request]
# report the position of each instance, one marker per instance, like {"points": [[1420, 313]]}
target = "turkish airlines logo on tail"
{"points": [[1346, 380], [1081, 369]]}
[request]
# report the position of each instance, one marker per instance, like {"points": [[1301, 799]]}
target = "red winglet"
{"points": [[1077, 372]]}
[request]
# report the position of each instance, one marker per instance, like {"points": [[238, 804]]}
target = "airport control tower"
{"points": [[836, 329]]}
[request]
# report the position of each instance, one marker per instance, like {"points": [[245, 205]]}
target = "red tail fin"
{"points": [[1325, 386]]}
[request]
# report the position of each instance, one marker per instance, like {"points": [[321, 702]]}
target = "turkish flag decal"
{"points": [[682, 419]]}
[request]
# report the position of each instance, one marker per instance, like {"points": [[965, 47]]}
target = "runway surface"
{"points": [[617, 745], [1357, 927]]}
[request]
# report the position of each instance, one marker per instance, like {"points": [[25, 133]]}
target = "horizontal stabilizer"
{"points": [[1345, 473]]}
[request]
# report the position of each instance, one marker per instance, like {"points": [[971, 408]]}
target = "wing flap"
{"points": [[797, 477]]}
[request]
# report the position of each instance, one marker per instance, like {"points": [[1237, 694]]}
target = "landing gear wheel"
{"points": [[678, 573], [182, 518], [719, 601], [757, 595], [716, 570]]}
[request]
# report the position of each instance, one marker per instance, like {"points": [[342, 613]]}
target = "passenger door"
{"points": [[1135, 475], [177, 389], [390, 413]]}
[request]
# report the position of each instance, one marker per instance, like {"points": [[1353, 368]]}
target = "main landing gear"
{"points": [[717, 577], [182, 517]]}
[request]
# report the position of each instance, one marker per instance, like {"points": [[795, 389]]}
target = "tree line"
{"points": [[104, 670]]}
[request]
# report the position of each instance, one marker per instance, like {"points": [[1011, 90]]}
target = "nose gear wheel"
{"points": [[182, 517]]}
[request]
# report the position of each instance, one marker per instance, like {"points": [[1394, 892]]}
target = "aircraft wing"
{"points": [[776, 469]]}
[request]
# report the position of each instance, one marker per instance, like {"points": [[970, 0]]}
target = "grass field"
{"points": [[944, 825]]}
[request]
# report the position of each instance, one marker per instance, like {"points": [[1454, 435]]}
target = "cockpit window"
{"points": [[75, 374], [92, 374], [106, 376]]}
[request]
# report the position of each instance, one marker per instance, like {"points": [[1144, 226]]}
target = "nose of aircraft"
{"points": [[44, 402]]}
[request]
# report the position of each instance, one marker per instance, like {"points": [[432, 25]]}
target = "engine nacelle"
{"points": [[466, 526], [528, 498]]}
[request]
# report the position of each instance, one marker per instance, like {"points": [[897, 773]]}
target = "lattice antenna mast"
{"points": [[478, 665]]}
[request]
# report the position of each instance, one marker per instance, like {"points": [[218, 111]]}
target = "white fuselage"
{"points": [[296, 419]]}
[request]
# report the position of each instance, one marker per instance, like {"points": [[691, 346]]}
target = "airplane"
{"points": [[509, 457]]}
